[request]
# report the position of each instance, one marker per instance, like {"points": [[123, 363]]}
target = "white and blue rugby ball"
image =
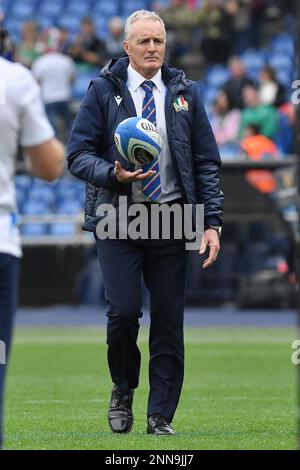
{"points": [[138, 140]]}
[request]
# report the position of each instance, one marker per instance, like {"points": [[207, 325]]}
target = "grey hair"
{"points": [[140, 15]]}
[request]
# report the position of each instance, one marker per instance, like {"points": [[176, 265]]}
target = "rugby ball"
{"points": [[138, 140]]}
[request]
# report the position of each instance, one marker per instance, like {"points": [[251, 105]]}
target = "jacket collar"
{"points": [[172, 77]]}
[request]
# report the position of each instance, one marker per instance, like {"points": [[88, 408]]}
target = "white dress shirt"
{"points": [[169, 185]]}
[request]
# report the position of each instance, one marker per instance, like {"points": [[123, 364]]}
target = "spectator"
{"points": [[88, 50], [270, 90], [179, 20], [285, 133], [257, 147], [257, 10], [55, 73], [114, 41], [241, 25], [27, 51], [64, 41], [225, 120], [236, 83], [215, 21], [265, 116]]}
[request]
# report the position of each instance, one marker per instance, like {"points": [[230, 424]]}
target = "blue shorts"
{"points": [[9, 274]]}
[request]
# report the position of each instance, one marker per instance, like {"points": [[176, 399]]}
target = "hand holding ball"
{"points": [[138, 140]]}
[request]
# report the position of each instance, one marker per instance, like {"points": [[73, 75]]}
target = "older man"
{"points": [[141, 84]]}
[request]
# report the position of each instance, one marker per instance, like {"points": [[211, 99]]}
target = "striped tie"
{"points": [[151, 186]]}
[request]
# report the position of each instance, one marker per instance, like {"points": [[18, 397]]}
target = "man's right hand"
{"points": [[124, 176]]}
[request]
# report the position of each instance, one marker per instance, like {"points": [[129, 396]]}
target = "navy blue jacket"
{"points": [[92, 151]]}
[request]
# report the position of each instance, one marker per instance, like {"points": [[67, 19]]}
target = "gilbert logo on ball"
{"points": [[138, 140]]}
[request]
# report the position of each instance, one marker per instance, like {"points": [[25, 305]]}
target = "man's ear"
{"points": [[126, 47]]}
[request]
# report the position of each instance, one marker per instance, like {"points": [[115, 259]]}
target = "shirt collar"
{"points": [[136, 79]]}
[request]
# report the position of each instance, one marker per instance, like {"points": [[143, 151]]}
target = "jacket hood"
{"points": [[117, 68]]}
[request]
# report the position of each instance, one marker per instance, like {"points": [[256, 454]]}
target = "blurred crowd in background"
{"points": [[240, 52]]}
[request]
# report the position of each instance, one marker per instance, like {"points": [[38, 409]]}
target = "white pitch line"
{"points": [[69, 340], [44, 402]]}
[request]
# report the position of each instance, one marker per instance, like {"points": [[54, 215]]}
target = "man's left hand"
{"points": [[210, 238]]}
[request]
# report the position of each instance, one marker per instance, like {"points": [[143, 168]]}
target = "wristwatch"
{"points": [[214, 227]]}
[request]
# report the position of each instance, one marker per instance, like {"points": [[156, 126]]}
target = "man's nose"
{"points": [[151, 45]]}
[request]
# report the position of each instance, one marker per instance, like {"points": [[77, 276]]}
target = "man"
{"points": [[237, 82], [55, 72], [187, 171], [179, 20], [262, 115], [215, 20], [258, 147], [88, 50], [114, 39], [22, 121]]}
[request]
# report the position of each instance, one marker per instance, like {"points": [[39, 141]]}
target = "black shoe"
{"points": [[159, 426], [120, 415]]}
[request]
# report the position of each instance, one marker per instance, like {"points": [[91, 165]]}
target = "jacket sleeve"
{"points": [[207, 164], [87, 143]]}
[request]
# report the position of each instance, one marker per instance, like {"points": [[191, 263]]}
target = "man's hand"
{"points": [[210, 238], [124, 176]]}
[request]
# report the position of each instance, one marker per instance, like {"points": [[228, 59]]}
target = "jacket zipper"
{"points": [[170, 113]]}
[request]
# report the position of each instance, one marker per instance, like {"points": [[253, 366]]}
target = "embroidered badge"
{"points": [[180, 103]]}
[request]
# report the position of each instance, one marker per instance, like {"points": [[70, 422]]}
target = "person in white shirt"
{"points": [[271, 92], [55, 73], [22, 121]]}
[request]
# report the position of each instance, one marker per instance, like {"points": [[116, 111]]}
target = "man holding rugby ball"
{"points": [[186, 172]]}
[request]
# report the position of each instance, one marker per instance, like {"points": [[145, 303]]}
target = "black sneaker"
{"points": [[159, 426], [120, 415]]}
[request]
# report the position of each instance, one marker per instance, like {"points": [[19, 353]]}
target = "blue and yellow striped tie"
{"points": [[151, 186]]}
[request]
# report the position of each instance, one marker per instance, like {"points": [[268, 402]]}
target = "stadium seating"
{"points": [[34, 208], [82, 82], [253, 60], [22, 10], [34, 197], [50, 11], [231, 151], [70, 21], [281, 62], [107, 9], [284, 44], [217, 76], [130, 6], [79, 8], [62, 229]]}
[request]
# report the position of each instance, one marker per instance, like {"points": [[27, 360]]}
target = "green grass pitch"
{"points": [[239, 391]]}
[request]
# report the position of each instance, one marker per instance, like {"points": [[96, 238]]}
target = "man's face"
{"points": [[87, 28], [250, 97], [145, 46], [236, 68]]}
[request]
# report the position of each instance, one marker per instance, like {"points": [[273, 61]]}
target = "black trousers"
{"points": [[9, 271], [163, 264]]}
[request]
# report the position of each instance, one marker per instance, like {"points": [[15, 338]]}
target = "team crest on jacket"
{"points": [[180, 103]]}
